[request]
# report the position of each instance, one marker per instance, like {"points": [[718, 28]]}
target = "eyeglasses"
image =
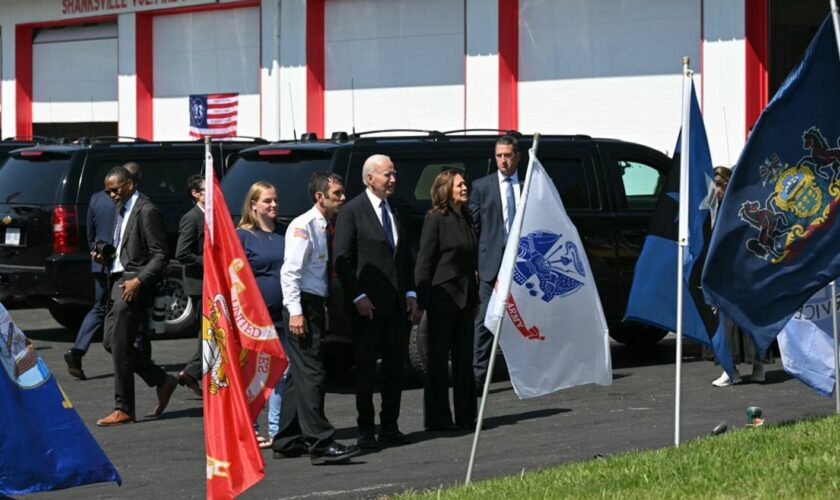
{"points": [[115, 190]]}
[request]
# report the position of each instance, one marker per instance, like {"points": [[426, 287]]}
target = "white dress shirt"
{"points": [[305, 260], [116, 265], [514, 181], [375, 201]]}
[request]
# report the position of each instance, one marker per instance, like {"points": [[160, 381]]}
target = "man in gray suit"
{"points": [[141, 256], [493, 205]]}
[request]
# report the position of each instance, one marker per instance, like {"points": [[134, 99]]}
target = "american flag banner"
{"points": [[213, 115]]}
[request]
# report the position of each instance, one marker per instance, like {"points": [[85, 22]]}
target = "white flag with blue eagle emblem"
{"points": [[553, 331]]}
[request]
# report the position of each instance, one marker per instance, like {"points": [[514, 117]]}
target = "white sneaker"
{"points": [[758, 372], [725, 381]]}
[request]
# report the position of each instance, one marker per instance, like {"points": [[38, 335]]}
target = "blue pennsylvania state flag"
{"points": [[776, 241], [653, 296], [43, 443]]}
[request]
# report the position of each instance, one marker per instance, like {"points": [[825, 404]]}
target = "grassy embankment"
{"points": [[790, 460]]}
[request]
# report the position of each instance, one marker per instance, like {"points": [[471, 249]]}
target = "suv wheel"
{"points": [[68, 316], [636, 334], [418, 344], [180, 316]]}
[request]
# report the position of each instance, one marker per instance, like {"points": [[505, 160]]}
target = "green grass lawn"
{"points": [[789, 460]]}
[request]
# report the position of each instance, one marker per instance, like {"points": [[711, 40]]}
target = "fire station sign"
{"points": [[86, 8]]}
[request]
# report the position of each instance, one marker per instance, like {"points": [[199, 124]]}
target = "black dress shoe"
{"points": [[393, 438], [73, 358], [297, 449], [444, 428], [335, 453], [367, 442]]}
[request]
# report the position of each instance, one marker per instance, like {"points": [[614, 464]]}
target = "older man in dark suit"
{"points": [[190, 252], [492, 206], [141, 256], [374, 265]]}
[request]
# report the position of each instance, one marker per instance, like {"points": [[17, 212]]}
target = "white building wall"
{"points": [[127, 75], [482, 64], [610, 68], [404, 58], [292, 91], [270, 104], [188, 61], [724, 85], [84, 91]]}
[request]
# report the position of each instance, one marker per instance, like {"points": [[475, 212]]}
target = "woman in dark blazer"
{"points": [[446, 288]]}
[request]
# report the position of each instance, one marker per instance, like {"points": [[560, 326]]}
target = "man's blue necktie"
{"points": [[386, 224], [511, 204], [118, 226]]}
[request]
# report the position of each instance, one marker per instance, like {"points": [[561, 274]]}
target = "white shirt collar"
{"points": [[513, 178], [375, 200]]}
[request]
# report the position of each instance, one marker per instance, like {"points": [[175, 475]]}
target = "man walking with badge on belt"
{"points": [[135, 269]]}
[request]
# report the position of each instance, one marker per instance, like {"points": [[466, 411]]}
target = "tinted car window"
{"points": [[289, 176], [31, 182], [642, 183], [161, 180], [570, 178], [415, 176]]}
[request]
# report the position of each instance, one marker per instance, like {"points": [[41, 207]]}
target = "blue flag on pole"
{"points": [[776, 241], [43, 443], [653, 296], [806, 343]]}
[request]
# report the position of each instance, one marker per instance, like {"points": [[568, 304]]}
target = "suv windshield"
{"points": [[289, 175], [31, 182]]}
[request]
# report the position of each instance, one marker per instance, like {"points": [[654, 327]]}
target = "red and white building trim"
{"points": [[609, 68]]}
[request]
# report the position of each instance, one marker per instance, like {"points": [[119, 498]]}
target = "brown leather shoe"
{"points": [[164, 393], [118, 417], [186, 379]]}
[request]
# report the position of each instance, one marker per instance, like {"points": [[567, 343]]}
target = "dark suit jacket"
{"points": [[365, 262], [143, 245], [190, 249], [486, 209], [100, 225], [445, 271]]}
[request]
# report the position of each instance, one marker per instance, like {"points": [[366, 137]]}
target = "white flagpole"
{"points": [[209, 175], [835, 17], [836, 351], [682, 237], [520, 208]]}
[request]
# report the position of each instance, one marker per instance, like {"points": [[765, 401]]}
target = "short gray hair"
{"points": [[370, 164]]}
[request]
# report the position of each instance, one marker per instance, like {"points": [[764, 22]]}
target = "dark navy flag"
{"points": [[43, 443], [776, 241], [653, 296]]}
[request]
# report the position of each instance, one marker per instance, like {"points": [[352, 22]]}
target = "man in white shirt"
{"points": [[305, 279]]}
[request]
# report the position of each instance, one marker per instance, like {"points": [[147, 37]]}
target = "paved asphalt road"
{"points": [[164, 457]]}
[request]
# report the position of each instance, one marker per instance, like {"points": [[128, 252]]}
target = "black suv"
{"points": [[44, 195], [9, 144], [609, 188]]}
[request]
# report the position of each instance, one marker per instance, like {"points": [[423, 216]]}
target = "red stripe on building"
{"points": [[145, 77], [509, 64], [315, 68], [756, 36], [23, 80]]}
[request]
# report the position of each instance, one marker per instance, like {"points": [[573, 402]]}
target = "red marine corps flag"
{"points": [[243, 358]]}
